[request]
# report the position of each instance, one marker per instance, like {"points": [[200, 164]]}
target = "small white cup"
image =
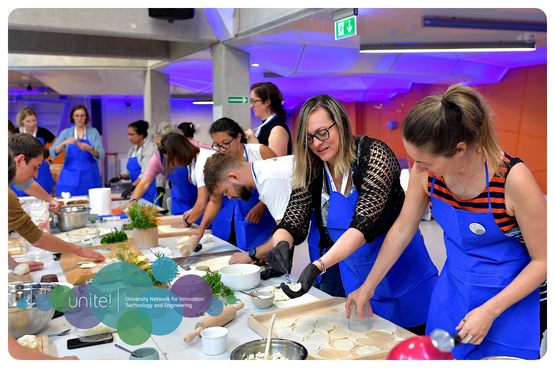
{"points": [[214, 340]]}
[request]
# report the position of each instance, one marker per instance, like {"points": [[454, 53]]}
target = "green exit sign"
{"points": [[346, 27], [237, 100]]}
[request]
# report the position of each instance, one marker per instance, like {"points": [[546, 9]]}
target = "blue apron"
{"points": [[134, 171], [481, 261], [248, 234], [45, 179], [183, 192], [403, 296], [80, 172]]}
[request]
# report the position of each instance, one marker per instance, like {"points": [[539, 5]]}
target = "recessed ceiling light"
{"points": [[198, 102], [256, 65]]}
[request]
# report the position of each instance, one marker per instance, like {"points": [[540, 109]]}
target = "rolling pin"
{"points": [[190, 245], [229, 312]]}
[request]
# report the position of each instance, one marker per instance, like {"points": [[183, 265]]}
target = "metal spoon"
{"points": [[63, 333], [254, 296], [128, 351]]}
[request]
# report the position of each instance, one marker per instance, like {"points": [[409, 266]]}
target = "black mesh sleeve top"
{"points": [[376, 178]]}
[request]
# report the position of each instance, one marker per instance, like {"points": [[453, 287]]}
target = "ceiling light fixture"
{"points": [[393, 48], [504, 25], [256, 65], [199, 102]]}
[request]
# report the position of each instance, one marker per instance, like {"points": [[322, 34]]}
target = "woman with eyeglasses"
{"points": [[253, 223], [351, 185], [83, 149], [266, 103]]}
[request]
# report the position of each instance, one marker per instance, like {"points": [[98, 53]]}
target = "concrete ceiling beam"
{"points": [[250, 21]]}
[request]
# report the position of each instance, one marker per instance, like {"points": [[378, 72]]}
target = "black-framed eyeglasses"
{"points": [[321, 135], [252, 102], [224, 145]]}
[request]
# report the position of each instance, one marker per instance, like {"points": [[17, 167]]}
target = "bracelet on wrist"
{"points": [[319, 260], [132, 199], [188, 224]]}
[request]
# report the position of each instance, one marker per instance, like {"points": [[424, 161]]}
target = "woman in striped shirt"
{"points": [[494, 218]]}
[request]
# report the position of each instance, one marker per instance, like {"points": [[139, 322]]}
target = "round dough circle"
{"points": [[343, 344], [293, 337], [283, 323], [303, 330], [88, 265], [326, 326], [334, 353], [306, 321], [318, 337], [381, 335], [380, 324], [363, 350], [311, 346], [284, 331], [340, 333]]}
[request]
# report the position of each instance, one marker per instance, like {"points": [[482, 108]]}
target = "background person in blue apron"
{"points": [[266, 102], [494, 219], [27, 121], [352, 186], [138, 157], [252, 222], [229, 176], [83, 149], [18, 143]]}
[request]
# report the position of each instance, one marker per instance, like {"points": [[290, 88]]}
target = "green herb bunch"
{"points": [[116, 236], [142, 216], [214, 278]]}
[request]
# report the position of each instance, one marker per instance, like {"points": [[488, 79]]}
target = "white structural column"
{"points": [[156, 97], [230, 68]]}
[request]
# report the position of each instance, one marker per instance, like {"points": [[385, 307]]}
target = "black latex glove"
{"points": [[128, 190], [307, 278], [114, 180], [281, 257]]}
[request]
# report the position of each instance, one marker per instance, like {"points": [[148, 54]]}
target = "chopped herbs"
{"points": [[214, 278], [116, 236]]}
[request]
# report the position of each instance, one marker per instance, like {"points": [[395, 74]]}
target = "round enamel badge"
{"points": [[477, 228]]}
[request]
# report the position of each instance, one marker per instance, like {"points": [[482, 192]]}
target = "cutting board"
{"points": [[166, 231], [43, 344], [201, 259], [21, 278], [78, 276], [331, 310]]}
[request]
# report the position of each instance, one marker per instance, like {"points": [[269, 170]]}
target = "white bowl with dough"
{"points": [[240, 276]]}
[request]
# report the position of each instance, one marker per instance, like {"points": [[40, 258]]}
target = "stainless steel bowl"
{"points": [[501, 357], [71, 218], [289, 349], [30, 320]]}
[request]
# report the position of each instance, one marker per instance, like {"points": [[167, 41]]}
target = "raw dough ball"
{"points": [[340, 333], [21, 269], [334, 353], [29, 341]]}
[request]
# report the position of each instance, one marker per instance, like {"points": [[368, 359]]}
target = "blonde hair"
{"points": [[438, 123], [307, 164], [26, 111]]}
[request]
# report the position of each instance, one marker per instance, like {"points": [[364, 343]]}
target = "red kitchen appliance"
{"points": [[437, 346]]}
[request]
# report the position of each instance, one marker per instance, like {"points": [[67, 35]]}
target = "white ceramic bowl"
{"points": [[266, 299], [240, 276]]}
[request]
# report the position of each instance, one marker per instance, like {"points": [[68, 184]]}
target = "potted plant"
{"points": [[144, 224]]}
